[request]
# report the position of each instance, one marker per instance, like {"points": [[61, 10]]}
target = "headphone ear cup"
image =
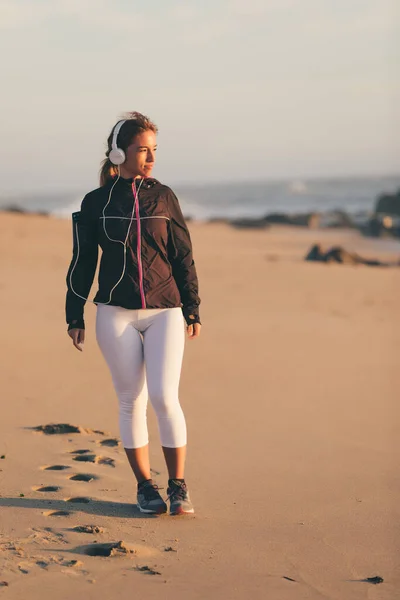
{"points": [[117, 156]]}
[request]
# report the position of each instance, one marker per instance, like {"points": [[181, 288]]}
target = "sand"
{"points": [[291, 400]]}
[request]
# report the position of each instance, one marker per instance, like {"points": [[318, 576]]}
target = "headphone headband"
{"points": [[117, 129], [117, 155]]}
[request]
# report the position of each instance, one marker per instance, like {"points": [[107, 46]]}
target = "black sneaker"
{"points": [[149, 500], [178, 496]]}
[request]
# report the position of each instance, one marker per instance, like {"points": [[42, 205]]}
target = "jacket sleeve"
{"points": [[83, 265], [180, 256]]}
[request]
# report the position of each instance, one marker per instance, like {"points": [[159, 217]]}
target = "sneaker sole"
{"points": [[180, 511], [148, 511]]}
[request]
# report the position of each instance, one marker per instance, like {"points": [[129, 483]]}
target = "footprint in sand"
{"points": [[106, 549], [82, 477], [110, 442], [44, 563], [24, 567], [46, 535], [78, 500], [99, 460], [57, 428], [64, 428], [87, 529], [148, 570], [57, 513], [81, 451], [121, 548], [85, 458], [54, 467], [72, 563], [46, 488]]}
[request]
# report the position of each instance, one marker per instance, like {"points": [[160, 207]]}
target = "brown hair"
{"points": [[135, 123]]}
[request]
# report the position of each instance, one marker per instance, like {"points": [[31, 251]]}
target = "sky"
{"points": [[240, 90]]}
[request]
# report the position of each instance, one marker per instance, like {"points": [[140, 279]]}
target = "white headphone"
{"points": [[117, 156]]}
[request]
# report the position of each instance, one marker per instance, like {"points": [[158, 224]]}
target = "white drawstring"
{"points": [[136, 200]]}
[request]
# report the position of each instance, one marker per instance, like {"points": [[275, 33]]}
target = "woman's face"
{"points": [[140, 155]]}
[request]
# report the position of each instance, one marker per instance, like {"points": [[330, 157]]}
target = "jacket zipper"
{"points": [[139, 246]]}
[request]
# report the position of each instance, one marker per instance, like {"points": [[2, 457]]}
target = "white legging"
{"points": [[144, 351]]}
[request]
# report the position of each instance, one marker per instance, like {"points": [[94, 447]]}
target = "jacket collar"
{"points": [[148, 182]]}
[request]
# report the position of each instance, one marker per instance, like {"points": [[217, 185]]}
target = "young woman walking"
{"points": [[147, 297]]}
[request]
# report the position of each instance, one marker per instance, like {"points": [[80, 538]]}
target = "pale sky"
{"points": [[251, 89]]}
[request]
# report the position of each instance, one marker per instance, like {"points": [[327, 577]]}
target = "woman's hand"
{"points": [[193, 330], [78, 337]]}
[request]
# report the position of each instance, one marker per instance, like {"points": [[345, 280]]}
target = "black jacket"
{"points": [[160, 270]]}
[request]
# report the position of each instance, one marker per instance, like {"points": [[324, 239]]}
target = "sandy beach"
{"points": [[291, 400]]}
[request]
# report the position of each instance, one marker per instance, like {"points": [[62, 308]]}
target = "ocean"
{"points": [[253, 199]]}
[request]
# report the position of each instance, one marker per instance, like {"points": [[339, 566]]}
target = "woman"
{"points": [[148, 288]]}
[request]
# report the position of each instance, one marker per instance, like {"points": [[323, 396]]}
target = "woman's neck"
{"points": [[125, 174]]}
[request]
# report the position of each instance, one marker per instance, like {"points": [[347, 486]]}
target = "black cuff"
{"points": [[76, 324], [191, 316]]}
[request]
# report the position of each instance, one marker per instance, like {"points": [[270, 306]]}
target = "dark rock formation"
{"points": [[386, 220], [337, 254], [250, 223], [388, 204], [14, 208]]}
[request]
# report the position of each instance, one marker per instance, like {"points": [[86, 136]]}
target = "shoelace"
{"points": [[150, 491], [179, 491]]}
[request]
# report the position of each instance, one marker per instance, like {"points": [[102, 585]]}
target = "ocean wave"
{"points": [[240, 200]]}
